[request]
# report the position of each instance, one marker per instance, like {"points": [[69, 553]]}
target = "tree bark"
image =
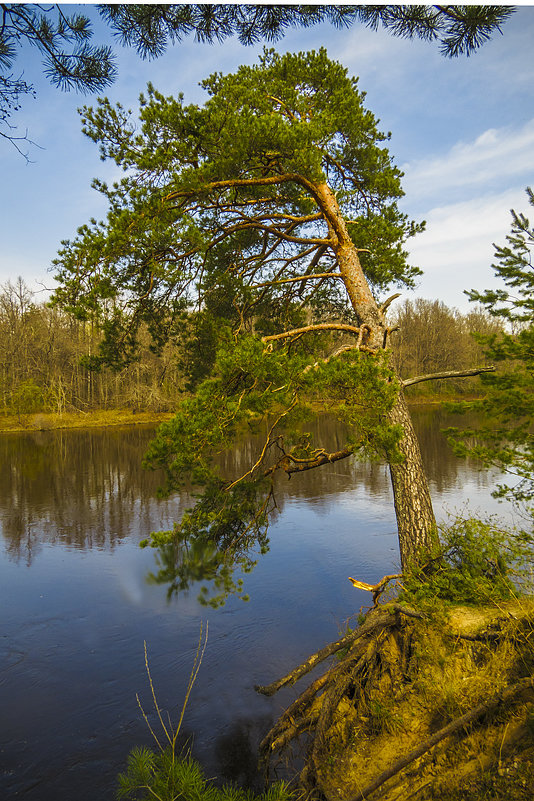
{"points": [[413, 506], [416, 523]]}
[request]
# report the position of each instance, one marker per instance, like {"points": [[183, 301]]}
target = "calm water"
{"points": [[76, 607]]}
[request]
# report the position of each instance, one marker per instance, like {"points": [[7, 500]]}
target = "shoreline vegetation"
{"points": [[430, 694], [100, 418], [104, 418]]}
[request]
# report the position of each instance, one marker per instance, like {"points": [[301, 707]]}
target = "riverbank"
{"points": [[102, 418], [419, 707]]}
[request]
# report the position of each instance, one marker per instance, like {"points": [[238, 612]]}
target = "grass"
{"points": [[101, 418]]}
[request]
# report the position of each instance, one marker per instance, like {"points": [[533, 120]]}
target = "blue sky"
{"points": [[462, 132]]}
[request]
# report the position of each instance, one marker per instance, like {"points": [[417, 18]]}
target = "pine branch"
{"points": [[296, 280], [447, 374], [317, 327]]}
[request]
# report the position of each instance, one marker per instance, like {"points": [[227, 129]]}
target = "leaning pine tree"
{"points": [[265, 225]]}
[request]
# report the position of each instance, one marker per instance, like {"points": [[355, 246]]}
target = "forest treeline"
{"points": [[45, 356]]}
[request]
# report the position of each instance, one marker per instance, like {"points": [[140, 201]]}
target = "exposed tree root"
{"points": [[411, 706]]}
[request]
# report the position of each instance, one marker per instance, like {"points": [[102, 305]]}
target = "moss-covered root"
{"points": [[417, 708]]}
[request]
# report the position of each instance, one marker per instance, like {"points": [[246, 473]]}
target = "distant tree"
{"points": [[432, 337], [71, 62], [505, 438]]}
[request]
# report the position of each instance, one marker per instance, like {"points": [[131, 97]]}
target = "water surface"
{"points": [[76, 606]]}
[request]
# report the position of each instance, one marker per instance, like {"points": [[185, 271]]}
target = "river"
{"points": [[76, 606]]}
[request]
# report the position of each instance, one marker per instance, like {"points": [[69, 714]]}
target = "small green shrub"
{"points": [[164, 774], [382, 718], [478, 562], [168, 777]]}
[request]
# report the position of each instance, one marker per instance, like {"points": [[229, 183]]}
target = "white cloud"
{"points": [[497, 155], [456, 251]]}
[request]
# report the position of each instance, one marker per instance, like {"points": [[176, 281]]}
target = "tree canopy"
{"points": [[272, 208], [71, 62], [231, 192], [506, 439]]}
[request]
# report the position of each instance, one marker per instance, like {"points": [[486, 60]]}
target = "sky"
{"points": [[462, 131]]}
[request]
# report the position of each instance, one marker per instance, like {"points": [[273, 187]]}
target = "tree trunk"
{"points": [[413, 507], [416, 523]]}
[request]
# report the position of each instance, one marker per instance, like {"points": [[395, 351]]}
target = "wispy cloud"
{"points": [[497, 155], [456, 251]]}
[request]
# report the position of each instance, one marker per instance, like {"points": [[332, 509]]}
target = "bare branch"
{"points": [[317, 327], [236, 183], [315, 659], [267, 445], [299, 278], [283, 106], [376, 589], [447, 374], [337, 352], [388, 302]]}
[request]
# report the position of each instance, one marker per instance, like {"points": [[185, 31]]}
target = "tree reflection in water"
{"points": [[76, 606]]}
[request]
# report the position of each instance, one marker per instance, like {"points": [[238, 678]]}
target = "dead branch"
{"points": [[267, 445], [315, 659], [404, 610], [295, 280], [317, 327], [387, 303], [289, 464], [337, 689], [304, 713], [447, 374], [507, 694], [293, 721], [337, 352], [376, 589]]}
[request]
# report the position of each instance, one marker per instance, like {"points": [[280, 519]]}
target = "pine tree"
{"points": [[505, 438], [274, 206]]}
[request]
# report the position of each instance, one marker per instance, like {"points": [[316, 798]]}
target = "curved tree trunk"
{"points": [[413, 506]]}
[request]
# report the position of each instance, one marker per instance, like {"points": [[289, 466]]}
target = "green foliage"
{"points": [[220, 200], [505, 439], [477, 563], [360, 391], [70, 61], [226, 530], [214, 540], [458, 29], [168, 777], [27, 398]]}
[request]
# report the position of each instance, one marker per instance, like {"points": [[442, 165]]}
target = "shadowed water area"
{"points": [[76, 605]]}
